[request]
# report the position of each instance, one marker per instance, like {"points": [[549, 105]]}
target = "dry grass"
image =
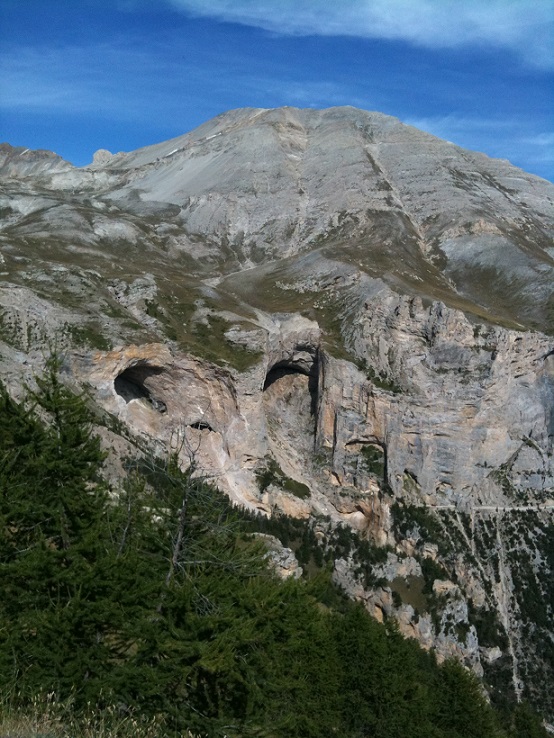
{"points": [[46, 717]]}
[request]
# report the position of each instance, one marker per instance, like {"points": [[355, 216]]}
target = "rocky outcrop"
{"points": [[17, 161], [282, 558], [213, 418], [433, 414], [464, 411]]}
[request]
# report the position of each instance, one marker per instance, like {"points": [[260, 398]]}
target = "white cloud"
{"points": [[127, 80], [303, 93], [505, 138], [541, 139], [58, 78], [539, 148], [119, 80], [525, 26], [454, 125]]}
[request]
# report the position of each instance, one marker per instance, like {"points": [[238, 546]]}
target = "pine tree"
{"points": [[51, 508], [461, 708]]}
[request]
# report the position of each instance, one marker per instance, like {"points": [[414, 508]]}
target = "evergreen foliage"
{"points": [[154, 599]]}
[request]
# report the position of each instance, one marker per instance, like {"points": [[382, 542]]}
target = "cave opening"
{"points": [[290, 400], [202, 425], [131, 384], [285, 369]]}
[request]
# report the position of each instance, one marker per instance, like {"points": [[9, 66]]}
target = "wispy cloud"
{"points": [[119, 79], [542, 139], [127, 80], [303, 93], [456, 125], [512, 138], [525, 26], [539, 149], [61, 78]]}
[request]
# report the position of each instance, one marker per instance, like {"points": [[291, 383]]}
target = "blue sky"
{"points": [[79, 75]]}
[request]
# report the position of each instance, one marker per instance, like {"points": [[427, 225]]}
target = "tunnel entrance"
{"points": [[132, 384]]}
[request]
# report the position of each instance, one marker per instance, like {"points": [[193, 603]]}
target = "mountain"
{"points": [[338, 318]]}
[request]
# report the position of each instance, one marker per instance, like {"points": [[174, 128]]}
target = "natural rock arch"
{"points": [[132, 384], [286, 368], [290, 405]]}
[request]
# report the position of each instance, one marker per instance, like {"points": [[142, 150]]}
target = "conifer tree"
{"points": [[51, 507]]}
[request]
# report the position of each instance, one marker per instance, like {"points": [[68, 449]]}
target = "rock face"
{"points": [[468, 399], [337, 318]]}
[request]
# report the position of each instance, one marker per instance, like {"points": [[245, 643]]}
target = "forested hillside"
{"points": [[151, 598]]}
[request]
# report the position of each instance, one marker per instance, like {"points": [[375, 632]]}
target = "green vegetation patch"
{"points": [[373, 459], [266, 288], [419, 519], [203, 337], [379, 380], [87, 335], [10, 331], [490, 631], [272, 473]]}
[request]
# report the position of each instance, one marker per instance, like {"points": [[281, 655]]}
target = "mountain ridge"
{"points": [[249, 192]]}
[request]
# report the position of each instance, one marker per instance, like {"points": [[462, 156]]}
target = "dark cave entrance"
{"points": [[201, 425], [285, 369], [132, 384], [290, 401]]}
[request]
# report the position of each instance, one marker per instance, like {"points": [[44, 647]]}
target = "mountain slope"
{"points": [[257, 185], [348, 309]]}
